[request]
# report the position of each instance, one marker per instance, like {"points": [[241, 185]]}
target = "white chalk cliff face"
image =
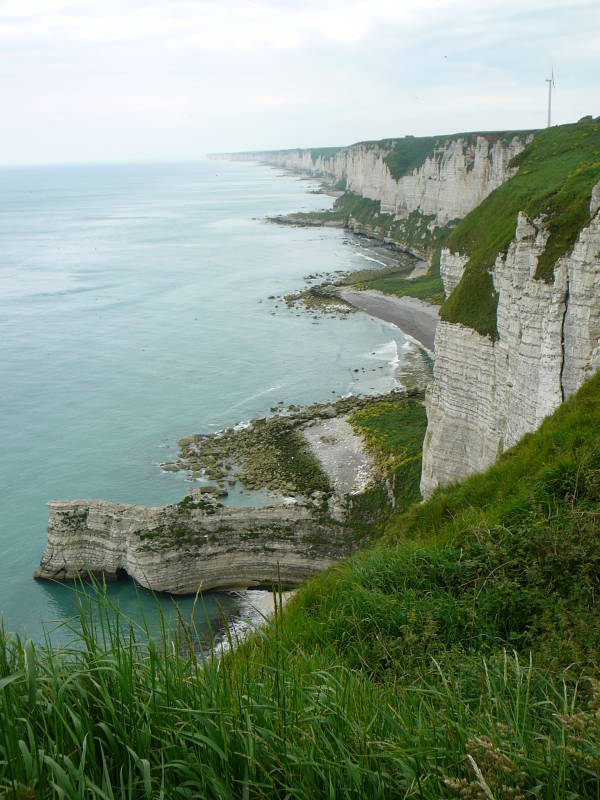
{"points": [[446, 186], [451, 269], [486, 395]]}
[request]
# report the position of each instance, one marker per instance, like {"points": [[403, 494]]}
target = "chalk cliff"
{"points": [[453, 178], [191, 546], [487, 394]]}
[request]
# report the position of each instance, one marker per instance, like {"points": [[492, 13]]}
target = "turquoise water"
{"points": [[134, 310]]}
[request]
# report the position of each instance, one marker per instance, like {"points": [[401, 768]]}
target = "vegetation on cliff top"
{"points": [[324, 152], [456, 658], [557, 172], [409, 152]]}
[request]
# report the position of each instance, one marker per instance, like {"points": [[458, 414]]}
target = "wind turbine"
{"points": [[550, 82]]}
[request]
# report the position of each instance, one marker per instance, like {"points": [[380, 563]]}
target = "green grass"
{"points": [[393, 429], [557, 172], [427, 287], [456, 658], [116, 718]]}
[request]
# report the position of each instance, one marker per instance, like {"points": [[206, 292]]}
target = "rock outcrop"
{"points": [[191, 546], [452, 266], [487, 394], [452, 180]]}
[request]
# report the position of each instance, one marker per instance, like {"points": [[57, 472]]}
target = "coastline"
{"points": [[196, 524], [415, 318]]}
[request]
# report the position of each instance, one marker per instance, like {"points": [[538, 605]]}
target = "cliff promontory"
{"points": [[520, 330], [190, 546], [322, 475]]}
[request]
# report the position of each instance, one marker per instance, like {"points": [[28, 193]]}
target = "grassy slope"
{"points": [[557, 172], [394, 430], [461, 652], [509, 557], [427, 287]]}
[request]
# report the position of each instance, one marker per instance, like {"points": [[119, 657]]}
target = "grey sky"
{"points": [[94, 80]]}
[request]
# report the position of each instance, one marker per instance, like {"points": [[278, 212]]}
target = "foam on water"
{"points": [[388, 352], [370, 258]]}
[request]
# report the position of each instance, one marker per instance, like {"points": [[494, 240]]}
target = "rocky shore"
{"points": [[310, 468], [315, 462], [289, 454]]}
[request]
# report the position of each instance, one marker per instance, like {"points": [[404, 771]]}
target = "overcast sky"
{"points": [[106, 80]]}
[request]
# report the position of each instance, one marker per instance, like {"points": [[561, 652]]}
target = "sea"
{"points": [[140, 303]]}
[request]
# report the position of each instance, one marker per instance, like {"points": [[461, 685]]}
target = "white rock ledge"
{"points": [[182, 550]]}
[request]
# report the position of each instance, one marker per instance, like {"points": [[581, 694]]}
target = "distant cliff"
{"points": [[439, 177]]}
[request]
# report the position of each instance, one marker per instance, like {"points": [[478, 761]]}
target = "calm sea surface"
{"points": [[134, 310]]}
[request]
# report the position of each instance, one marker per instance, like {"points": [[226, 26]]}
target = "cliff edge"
{"points": [[520, 330]]}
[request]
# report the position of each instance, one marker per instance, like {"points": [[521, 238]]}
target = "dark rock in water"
{"points": [[217, 491]]}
